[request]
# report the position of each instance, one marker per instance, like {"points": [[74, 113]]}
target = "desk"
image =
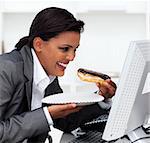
{"points": [[66, 137]]}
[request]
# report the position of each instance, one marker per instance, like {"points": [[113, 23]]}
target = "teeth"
{"points": [[62, 64]]}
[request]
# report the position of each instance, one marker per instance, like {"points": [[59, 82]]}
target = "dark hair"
{"points": [[49, 23]]}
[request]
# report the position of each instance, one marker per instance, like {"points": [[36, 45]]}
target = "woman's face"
{"points": [[56, 53]]}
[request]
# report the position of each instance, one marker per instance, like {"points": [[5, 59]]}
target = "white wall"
{"points": [[109, 28], [104, 42], [106, 38], [15, 26]]}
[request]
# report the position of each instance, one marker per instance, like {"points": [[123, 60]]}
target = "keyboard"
{"points": [[89, 137], [92, 131], [97, 124]]}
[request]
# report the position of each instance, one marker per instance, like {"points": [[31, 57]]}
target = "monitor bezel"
{"points": [[136, 116]]}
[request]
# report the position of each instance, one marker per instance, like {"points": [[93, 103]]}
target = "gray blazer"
{"points": [[17, 121]]}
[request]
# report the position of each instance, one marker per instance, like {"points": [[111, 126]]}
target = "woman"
{"points": [[30, 72]]}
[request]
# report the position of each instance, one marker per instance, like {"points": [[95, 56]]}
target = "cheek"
{"points": [[49, 60], [52, 61], [50, 57]]}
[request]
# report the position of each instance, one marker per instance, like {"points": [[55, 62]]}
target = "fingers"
{"points": [[111, 89], [67, 106], [62, 107], [60, 111], [67, 112], [107, 89]]}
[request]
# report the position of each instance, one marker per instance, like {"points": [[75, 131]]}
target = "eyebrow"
{"points": [[69, 45]]}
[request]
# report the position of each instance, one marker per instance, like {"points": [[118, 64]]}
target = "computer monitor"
{"points": [[130, 105]]}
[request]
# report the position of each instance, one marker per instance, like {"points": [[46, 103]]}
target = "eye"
{"points": [[64, 49], [75, 49]]}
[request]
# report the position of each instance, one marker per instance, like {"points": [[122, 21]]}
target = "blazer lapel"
{"points": [[28, 72], [53, 88], [29, 93]]}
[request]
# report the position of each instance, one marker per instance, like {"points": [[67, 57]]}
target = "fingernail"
{"points": [[74, 105]]}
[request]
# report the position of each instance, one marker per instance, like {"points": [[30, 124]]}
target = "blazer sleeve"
{"points": [[13, 126], [77, 119], [24, 126]]}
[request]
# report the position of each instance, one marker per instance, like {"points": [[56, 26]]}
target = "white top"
{"points": [[40, 81]]}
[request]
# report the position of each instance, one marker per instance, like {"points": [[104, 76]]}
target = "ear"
{"points": [[37, 44]]}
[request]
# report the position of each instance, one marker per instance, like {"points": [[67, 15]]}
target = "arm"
{"points": [[74, 120], [25, 125], [16, 124]]}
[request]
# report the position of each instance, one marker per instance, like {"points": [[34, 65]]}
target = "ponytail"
{"points": [[23, 41]]}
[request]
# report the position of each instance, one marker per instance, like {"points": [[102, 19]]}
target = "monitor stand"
{"points": [[139, 136]]}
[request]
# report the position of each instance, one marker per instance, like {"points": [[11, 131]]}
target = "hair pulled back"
{"points": [[49, 23]]}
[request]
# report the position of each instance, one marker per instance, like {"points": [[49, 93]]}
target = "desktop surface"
{"points": [[96, 137], [91, 137], [89, 132]]}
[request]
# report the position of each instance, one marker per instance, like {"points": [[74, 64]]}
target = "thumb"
{"points": [[68, 106]]}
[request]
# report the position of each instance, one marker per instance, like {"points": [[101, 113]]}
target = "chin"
{"points": [[60, 74]]}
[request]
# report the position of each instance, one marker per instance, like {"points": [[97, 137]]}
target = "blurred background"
{"points": [[110, 26]]}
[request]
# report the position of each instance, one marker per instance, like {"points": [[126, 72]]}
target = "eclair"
{"points": [[93, 76]]}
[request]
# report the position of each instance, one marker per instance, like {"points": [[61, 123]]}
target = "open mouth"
{"points": [[62, 65]]}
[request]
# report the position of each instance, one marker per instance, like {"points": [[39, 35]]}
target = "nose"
{"points": [[70, 56]]}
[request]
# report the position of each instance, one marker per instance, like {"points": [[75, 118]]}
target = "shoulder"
{"points": [[10, 61], [13, 56], [11, 65]]}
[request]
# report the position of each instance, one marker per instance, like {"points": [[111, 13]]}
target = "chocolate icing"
{"points": [[101, 75]]}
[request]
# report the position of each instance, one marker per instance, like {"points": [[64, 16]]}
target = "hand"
{"points": [[107, 89], [60, 111]]}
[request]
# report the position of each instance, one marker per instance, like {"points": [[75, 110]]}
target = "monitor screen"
{"points": [[130, 105]]}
